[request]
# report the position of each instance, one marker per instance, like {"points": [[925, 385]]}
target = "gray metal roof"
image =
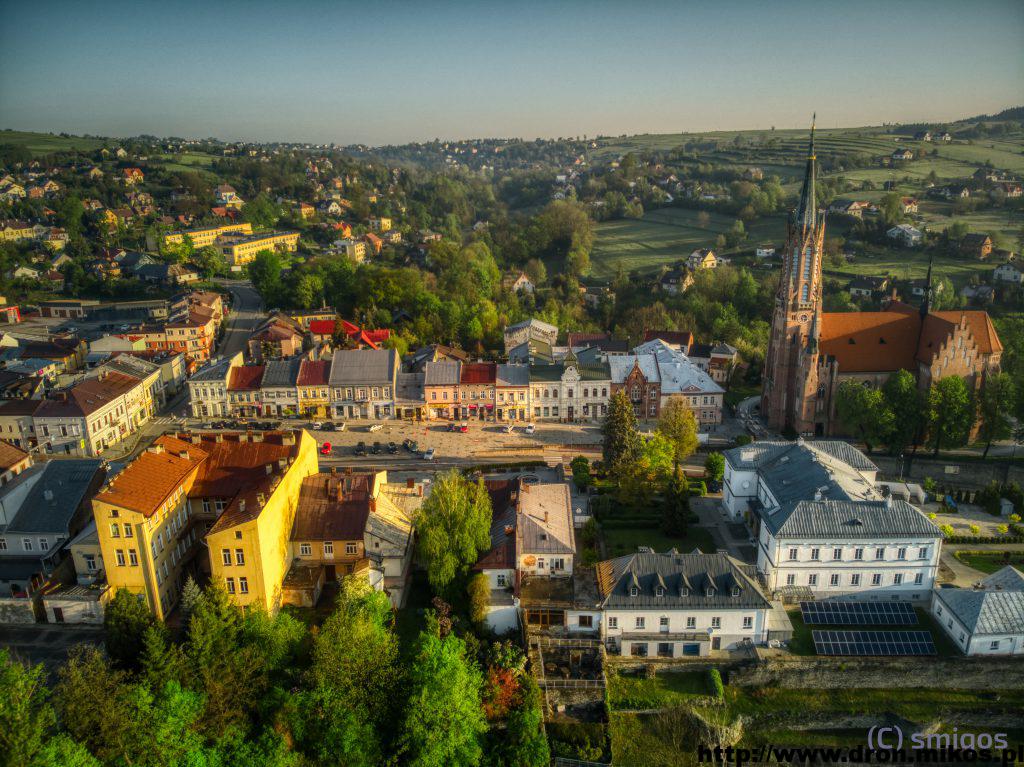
{"points": [[281, 373], [621, 366], [513, 375], [218, 371], [442, 373], [685, 580], [55, 490], [991, 609], [363, 366], [837, 520], [544, 523], [756, 453]]}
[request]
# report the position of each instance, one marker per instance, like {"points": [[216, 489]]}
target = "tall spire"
{"points": [[927, 300], [806, 210]]}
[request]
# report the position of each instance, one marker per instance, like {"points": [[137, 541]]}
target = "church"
{"points": [[811, 352]]}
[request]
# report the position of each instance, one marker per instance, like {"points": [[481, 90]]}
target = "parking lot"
{"points": [[48, 644]]}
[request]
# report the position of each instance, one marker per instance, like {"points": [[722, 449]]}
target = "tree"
{"points": [[125, 620], [641, 478], [190, 596], [444, 720], [580, 466], [26, 716], [998, 396], [714, 466], [904, 400], [161, 660], [524, 743], [950, 413], [453, 527], [479, 594], [679, 426], [621, 438], [265, 273], [864, 412], [676, 512]]}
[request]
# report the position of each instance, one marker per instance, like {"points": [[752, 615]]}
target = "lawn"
{"points": [[45, 143], [618, 542], [668, 688], [666, 235], [990, 561]]}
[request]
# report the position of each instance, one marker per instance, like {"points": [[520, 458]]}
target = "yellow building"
{"points": [[207, 235], [236, 492], [239, 250], [380, 224]]}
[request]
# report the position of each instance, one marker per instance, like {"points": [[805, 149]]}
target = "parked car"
{"points": [[340, 426], [325, 449], [392, 448], [327, 426], [530, 428], [411, 445], [376, 427], [316, 425], [376, 449], [428, 455], [361, 448], [452, 426], [464, 427]]}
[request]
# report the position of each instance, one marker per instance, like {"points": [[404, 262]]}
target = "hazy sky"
{"points": [[388, 72]]}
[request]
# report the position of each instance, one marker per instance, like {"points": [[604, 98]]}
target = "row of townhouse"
{"points": [[252, 512], [363, 384], [193, 334], [89, 416]]}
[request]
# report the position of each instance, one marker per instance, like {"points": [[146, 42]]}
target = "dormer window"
{"points": [[660, 591], [633, 591], [735, 591], [684, 592], [709, 592]]}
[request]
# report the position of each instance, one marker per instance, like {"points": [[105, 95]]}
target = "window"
{"points": [[43, 544], [716, 622], [502, 580], [26, 544], [792, 555], [858, 554], [791, 579], [833, 579], [231, 585], [613, 623], [691, 622], [119, 557], [876, 579], [897, 579], [664, 649], [243, 586], [938, 610], [238, 535], [918, 579], [133, 558], [586, 621], [3, 544], [128, 532], [641, 623], [225, 555], [837, 554], [305, 549], [638, 649], [901, 553], [115, 530], [663, 621], [239, 557], [994, 645], [815, 555], [922, 553], [748, 621], [880, 553], [633, 591], [855, 579], [812, 579]]}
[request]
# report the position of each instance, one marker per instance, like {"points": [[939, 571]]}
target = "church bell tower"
{"points": [[791, 366]]}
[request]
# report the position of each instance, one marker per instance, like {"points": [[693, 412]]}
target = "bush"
{"points": [[479, 592], [1003, 529], [717, 688], [714, 466], [975, 529], [581, 472], [947, 531], [743, 439], [929, 486], [699, 489]]}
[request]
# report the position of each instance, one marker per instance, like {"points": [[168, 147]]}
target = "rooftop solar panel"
{"points": [[873, 643], [858, 613]]}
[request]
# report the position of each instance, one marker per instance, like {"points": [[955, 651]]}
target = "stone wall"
{"points": [[17, 611], [881, 673], [965, 474]]}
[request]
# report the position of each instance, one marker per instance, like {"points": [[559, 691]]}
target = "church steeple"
{"points": [[807, 208]]}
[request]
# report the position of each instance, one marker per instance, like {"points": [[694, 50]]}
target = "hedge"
{"points": [[985, 539], [716, 683]]}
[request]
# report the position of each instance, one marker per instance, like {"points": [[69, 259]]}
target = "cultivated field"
{"points": [[45, 143]]}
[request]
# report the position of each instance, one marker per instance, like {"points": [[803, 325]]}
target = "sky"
{"points": [[386, 72]]}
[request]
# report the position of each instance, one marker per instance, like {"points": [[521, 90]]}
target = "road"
{"points": [[246, 314]]}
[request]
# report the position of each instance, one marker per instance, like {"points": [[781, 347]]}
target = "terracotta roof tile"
{"points": [[145, 483], [10, 455], [332, 508], [245, 378], [314, 373], [478, 373]]}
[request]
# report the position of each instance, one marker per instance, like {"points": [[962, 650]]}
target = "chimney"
{"points": [[241, 505], [48, 495], [420, 490], [183, 454], [218, 438], [270, 468], [261, 499], [281, 463], [373, 505], [288, 438], [256, 437], [545, 516], [410, 483], [155, 449], [509, 529]]}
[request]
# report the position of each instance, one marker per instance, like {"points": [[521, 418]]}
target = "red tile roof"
{"points": [[313, 373], [246, 378], [322, 327], [478, 373]]}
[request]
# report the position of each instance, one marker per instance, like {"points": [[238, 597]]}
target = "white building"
{"points": [[674, 605], [1008, 272], [208, 388], [905, 235], [987, 620], [823, 528], [570, 390], [682, 377]]}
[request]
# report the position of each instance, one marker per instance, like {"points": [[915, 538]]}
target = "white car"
{"points": [[340, 426], [317, 425], [530, 428], [428, 455], [376, 427]]}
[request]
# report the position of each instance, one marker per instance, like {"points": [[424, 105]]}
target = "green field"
{"points": [[46, 143], [990, 562], [668, 688], [664, 236], [619, 542]]}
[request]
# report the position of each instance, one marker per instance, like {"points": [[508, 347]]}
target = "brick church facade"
{"points": [[811, 352]]}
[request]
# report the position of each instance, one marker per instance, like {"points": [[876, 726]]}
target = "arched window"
{"points": [[805, 293]]}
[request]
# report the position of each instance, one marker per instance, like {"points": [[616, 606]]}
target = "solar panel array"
{"points": [[873, 643], [858, 613]]}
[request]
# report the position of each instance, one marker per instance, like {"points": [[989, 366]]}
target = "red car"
{"points": [[464, 428], [325, 449]]}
